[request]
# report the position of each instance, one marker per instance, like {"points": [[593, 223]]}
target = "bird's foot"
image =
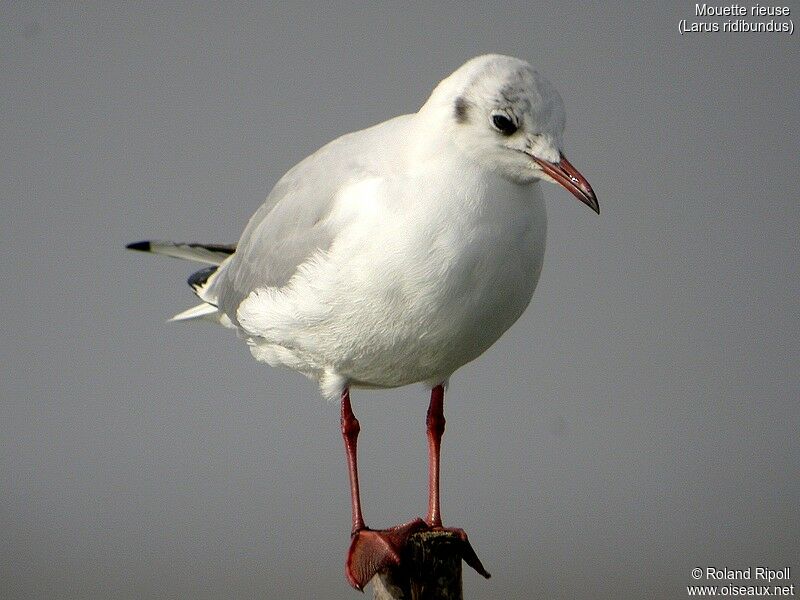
{"points": [[373, 551]]}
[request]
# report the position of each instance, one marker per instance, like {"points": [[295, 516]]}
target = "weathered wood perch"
{"points": [[431, 570]]}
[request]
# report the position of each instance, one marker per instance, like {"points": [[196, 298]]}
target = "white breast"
{"points": [[412, 289]]}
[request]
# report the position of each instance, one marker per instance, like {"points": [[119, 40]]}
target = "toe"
{"points": [[370, 552]]}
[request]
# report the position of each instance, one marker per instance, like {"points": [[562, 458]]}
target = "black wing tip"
{"points": [[198, 279], [139, 246]]}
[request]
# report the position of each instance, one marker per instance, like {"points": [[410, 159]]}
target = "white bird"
{"points": [[398, 254]]}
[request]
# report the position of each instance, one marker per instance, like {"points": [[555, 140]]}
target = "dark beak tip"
{"points": [[571, 179], [591, 202]]}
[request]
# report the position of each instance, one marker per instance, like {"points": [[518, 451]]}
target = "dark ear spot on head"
{"points": [[461, 110]]}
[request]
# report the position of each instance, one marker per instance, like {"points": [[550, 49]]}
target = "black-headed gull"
{"points": [[397, 254]]}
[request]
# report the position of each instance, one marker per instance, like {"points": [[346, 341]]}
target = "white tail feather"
{"points": [[201, 311]]}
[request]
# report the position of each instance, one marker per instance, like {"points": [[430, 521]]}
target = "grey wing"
{"points": [[293, 224], [287, 230]]}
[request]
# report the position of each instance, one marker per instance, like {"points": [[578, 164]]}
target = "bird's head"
{"points": [[507, 117]]}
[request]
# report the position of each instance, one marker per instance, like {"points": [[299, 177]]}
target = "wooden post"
{"points": [[431, 570]]}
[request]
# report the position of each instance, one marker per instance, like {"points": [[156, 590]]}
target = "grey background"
{"points": [[640, 420]]}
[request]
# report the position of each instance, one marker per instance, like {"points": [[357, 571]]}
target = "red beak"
{"points": [[570, 179]]}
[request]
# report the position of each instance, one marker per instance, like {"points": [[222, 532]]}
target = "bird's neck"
{"points": [[431, 144]]}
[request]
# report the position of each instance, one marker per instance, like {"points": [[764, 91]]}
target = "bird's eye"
{"points": [[503, 124]]}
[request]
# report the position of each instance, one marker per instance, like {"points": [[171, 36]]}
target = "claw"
{"points": [[468, 552]]}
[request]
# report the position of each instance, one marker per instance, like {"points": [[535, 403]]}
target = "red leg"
{"points": [[350, 431], [435, 423], [370, 551], [373, 551]]}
